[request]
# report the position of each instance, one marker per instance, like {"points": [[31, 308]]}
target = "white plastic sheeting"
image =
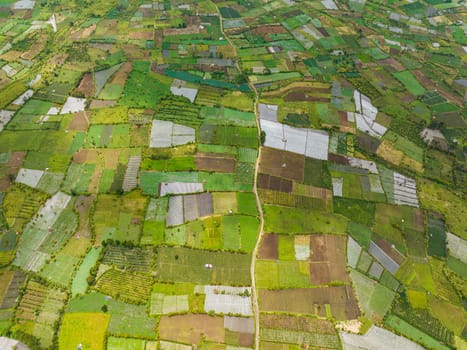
{"points": [[329, 4], [29, 177], [377, 339], [73, 105], [457, 247], [363, 164], [239, 324], [268, 112], [405, 190], [227, 299], [189, 93], [21, 100], [168, 134], [309, 142], [366, 116], [5, 117], [337, 186], [180, 188]]}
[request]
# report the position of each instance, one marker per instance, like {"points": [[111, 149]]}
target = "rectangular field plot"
{"points": [[229, 135], [436, 237], [167, 134], [227, 300], [227, 116], [132, 259], [130, 287], [78, 177], [374, 298], [341, 300], [224, 163], [39, 307], [282, 164], [11, 282], [191, 328], [378, 338], [162, 304], [188, 265], [297, 330], [365, 116], [411, 332], [294, 337], [149, 180], [41, 230], [29, 177], [405, 190], [309, 142], [20, 204], [75, 325], [60, 270], [387, 261], [119, 217], [327, 261], [125, 343], [125, 319], [457, 247], [79, 284], [353, 252], [180, 188]]}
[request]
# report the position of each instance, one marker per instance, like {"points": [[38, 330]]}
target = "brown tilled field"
{"points": [[341, 299], [11, 168], [269, 248], [222, 163], [86, 85], [191, 329], [95, 104], [80, 121], [297, 323], [121, 75], [246, 339], [305, 96], [282, 163], [274, 183], [141, 35], [418, 220], [328, 260]]}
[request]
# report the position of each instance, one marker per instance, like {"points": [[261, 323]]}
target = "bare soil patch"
{"points": [[80, 121], [297, 323], [190, 329], [95, 104], [223, 163], [86, 85], [328, 259], [274, 183], [282, 164], [121, 75], [341, 299], [269, 248], [246, 339]]}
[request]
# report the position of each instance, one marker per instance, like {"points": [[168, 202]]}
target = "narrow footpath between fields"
{"points": [[254, 293]]}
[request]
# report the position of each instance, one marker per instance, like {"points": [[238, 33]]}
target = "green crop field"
{"points": [[83, 328], [184, 264], [410, 83]]}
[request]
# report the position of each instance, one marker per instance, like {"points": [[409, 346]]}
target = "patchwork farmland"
{"points": [[233, 175]]}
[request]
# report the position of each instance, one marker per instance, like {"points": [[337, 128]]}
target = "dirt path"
{"points": [[254, 294]]}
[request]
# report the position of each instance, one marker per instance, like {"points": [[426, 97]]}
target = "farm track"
{"points": [[254, 293]]}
